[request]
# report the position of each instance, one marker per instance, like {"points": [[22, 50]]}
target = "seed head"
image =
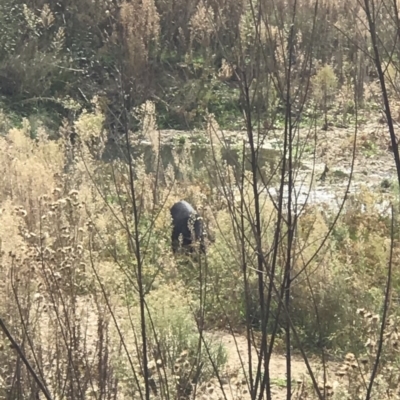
{"points": [[184, 354], [375, 318]]}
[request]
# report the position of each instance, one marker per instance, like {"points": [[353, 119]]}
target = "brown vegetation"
{"points": [[69, 277], [94, 302]]}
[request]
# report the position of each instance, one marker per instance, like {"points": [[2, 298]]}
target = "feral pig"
{"points": [[185, 220]]}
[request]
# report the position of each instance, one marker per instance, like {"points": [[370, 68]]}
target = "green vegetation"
{"points": [[56, 57], [86, 258], [110, 112]]}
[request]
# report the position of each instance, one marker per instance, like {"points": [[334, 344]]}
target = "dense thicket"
{"points": [[186, 55]]}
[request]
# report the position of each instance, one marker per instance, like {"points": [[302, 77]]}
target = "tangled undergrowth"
{"points": [[69, 274]]}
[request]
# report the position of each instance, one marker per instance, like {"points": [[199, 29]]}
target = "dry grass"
{"points": [[69, 278], [68, 269]]}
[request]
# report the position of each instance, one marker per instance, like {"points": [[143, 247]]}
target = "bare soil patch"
{"points": [[237, 352]]}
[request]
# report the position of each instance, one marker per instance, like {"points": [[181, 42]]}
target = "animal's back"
{"points": [[182, 210]]}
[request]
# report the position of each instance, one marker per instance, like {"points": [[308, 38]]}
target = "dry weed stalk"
{"points": [[139, 33]]}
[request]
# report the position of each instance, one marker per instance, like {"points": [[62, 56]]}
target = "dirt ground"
{"points": [[237, 353]]}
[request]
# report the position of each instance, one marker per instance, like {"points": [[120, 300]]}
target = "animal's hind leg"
{"points": [[200, 234]]}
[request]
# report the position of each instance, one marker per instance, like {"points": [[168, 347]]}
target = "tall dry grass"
{"points": [[68, 274]]}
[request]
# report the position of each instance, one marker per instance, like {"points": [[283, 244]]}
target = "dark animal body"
{"points": [[189, 224]]}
